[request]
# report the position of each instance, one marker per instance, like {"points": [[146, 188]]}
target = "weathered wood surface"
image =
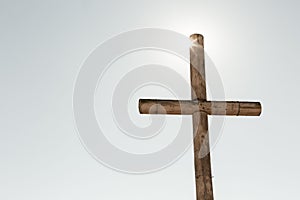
{"points": [[204, 188], [199, 108], [188, 107]]}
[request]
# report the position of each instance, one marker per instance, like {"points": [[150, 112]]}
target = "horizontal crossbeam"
{"points": [[188, 107]]}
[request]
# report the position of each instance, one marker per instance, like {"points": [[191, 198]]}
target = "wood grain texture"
{"points": [[199, 108], [203, 176], [189, 107]]}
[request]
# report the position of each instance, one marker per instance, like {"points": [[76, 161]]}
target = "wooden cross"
{"points": [[199, 108]]}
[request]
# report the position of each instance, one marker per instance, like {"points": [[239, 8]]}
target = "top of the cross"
{"points": [[197, 37]]}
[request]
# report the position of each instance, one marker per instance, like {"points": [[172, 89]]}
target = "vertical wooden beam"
{"points": [[200, 123]]}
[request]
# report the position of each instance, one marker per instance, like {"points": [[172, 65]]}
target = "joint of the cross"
{"points": [[198, 100]]}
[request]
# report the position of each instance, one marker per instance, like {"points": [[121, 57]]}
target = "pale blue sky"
{"points": [[254, 45]]}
